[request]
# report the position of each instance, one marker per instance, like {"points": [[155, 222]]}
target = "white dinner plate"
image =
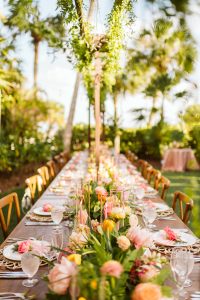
{"points": [[188, 239], [14, 255], [10, 254], [39, 211]]}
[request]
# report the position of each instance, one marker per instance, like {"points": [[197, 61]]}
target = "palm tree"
{"points": [[70, 119], [166, 56], [24, 17]]}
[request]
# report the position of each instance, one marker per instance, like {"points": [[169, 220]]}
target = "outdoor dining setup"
{"points": [[99, 234]]}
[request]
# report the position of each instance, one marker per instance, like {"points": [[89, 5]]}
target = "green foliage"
{"points": [[194, 142], [29, 125]]}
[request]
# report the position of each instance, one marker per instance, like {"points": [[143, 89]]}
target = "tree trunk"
{"points": [[68, 129], [97, 108], [89, 124], [151, 113], [115, 113], [35, 70], [69, 125], [162, 110]]}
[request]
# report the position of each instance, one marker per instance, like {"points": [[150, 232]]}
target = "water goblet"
{"points": [[30, 264], [57, 239], [190, 261], [140, 194], [57, 215], [149, 215], [179, 270]]}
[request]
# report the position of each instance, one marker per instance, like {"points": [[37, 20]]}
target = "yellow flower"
{"points": [[82, 298], [76, 258], [93, 284], [108, 225]]}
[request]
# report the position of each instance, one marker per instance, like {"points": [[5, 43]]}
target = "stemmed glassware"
{"points": [[57, 239], [57, 215], [149, 215], [179, 263], [190, 259], [30, 264], [140, 193]]}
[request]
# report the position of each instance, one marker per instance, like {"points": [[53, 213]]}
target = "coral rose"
{"points": [[47, 207], [60, 276], [123, 242], [112, 268], [147, 291], [24, 246]]}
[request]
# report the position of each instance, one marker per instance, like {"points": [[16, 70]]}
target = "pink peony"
{"points": [[47, 207], [148, 272], [139, 237], [123, 242], [112, 268], [24, 246], [60, 276], [82, 216], [107, 209], [170, 234]]}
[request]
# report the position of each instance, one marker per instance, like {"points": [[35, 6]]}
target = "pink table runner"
{"points": [[179, 160]]}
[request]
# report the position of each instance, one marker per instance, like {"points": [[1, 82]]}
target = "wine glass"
{"points": [[190, 260], [179, 269], [140, 193], [57, 215], [57, 239], [149, 215], [48, 252], [30, 264]]}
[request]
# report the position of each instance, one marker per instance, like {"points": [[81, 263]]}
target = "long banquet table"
{"points": [[21, 230]]}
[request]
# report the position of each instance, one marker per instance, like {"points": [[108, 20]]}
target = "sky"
{"points": [[56, 76]]}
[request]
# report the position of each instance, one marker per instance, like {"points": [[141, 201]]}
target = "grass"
{"points": [[187, 182]]}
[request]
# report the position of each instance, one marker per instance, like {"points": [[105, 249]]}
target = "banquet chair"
{"points": [[152, 174], [44, 173], [143, 165], [59, 162], [162, 185], [52, 169], [8, 201], [35, 184], [185, 204]]}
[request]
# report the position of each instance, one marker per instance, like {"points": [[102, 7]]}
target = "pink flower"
{"points": [[133, 220], [95, 225], [24, 246], [82, 216], [107, 209], [139, 237], [148, 272], [123, 242], [112, 268], [170, 234], [101, 191], [47, 207], [60, 276]]}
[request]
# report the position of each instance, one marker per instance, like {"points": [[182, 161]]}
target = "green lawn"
{"points": [[187, 182]]}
